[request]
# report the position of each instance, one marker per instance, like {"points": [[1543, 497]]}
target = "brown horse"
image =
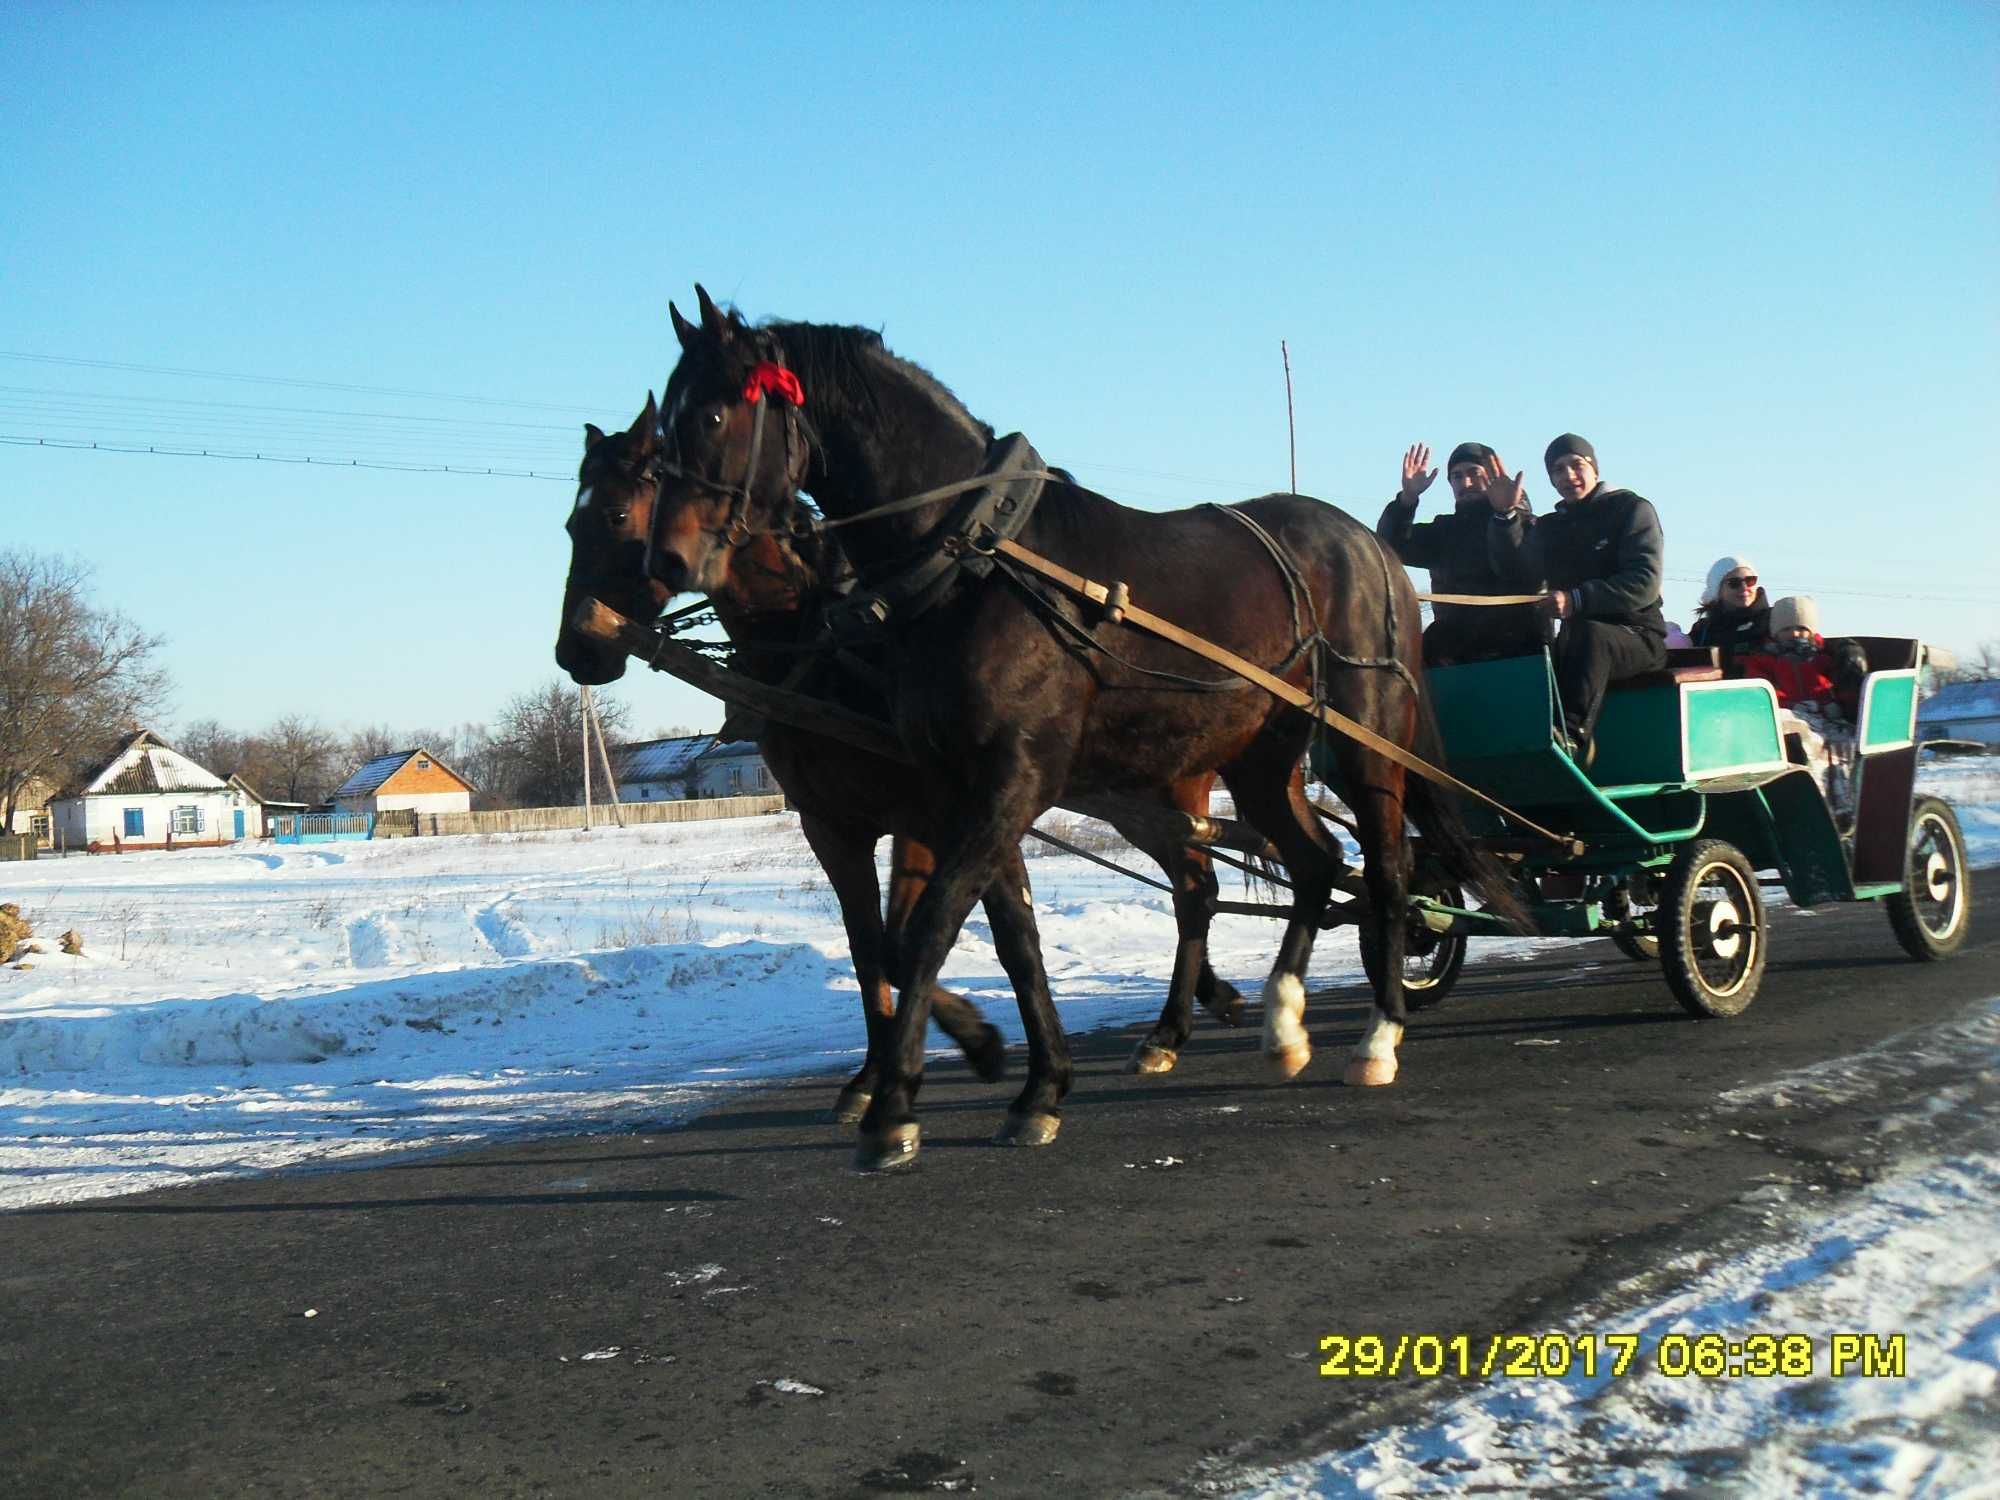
{"points": [[847, 798], [1012, 697]]}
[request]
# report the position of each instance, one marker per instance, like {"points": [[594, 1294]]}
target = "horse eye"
{"points": [[715, 417]]}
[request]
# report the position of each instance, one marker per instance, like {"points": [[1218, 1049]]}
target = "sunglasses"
{"points": [[1741, 580]]}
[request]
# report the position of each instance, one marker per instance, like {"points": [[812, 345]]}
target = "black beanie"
{"points": [[1468, 453], [1567, 445]]}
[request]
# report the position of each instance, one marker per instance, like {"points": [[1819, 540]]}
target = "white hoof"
{"points": [[1287, 1049], [1369, 1072], [1287, 1064]]}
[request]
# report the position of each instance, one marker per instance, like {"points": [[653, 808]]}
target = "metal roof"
{"points": [[148, 763], [1962, 700], [661, 760], [373, 773]]}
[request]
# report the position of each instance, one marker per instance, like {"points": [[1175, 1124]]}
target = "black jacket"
{"points": [[1734, 630], [1453, 548], [1606, 550]]}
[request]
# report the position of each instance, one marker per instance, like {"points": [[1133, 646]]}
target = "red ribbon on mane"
{"points": [[775, 379]]}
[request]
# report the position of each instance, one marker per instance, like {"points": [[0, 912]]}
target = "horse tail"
{"points": [[1434, 809]]}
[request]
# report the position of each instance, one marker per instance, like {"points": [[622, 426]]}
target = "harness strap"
{"points": [[1097, 593], [1489, 599]]}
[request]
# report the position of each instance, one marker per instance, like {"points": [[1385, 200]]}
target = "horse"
{"points": [[770, 606], [1011, 695]]}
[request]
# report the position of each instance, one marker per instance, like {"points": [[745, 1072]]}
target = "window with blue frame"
{"points": [[135, 822]]}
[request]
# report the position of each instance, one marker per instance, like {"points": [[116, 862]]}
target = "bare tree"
{"points": [[371, 740], [72, 676], [539, 744], [213, 747], [300, 760]]}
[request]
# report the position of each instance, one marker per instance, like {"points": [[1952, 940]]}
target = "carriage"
{"points": [[987, 641], [1689, 811]]}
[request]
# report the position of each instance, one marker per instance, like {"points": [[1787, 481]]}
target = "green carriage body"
{"points": [[1684, 759]]}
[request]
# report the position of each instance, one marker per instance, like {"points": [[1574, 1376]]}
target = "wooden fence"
{"points": [[398, 825]]}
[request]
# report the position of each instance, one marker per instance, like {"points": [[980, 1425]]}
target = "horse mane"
{"points": [[853, 361]]}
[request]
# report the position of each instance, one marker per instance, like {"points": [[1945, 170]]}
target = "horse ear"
{"points": [[646, 427], [712, 317], [592, 436], [683, 329]]}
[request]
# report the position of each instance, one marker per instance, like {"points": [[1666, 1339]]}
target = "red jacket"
{"points": [[1798, 679]]}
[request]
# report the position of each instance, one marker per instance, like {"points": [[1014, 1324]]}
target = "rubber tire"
{"points": [[1447, 960], [1918, 941], [1645, 950], [1674, 918]]}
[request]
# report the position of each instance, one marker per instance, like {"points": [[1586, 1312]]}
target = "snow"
{"points": [[263, 1006], [255, 1007]]}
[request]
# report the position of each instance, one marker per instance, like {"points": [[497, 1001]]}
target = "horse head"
{"points": [[733, 449], [608, 526]]}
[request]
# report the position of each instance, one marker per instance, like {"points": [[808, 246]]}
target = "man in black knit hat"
{"points": [[1602, 552], [1454, 549]]}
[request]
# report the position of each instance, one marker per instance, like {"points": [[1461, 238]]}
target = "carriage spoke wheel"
{"points": [[1931, 914], [1712, 927], [1431, 959]]}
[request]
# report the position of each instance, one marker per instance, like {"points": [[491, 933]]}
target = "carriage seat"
{"points": [[1684, 664]]}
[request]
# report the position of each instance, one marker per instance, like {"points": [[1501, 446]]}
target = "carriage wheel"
{"points": [[1643, 948], [1712, 929], [1931, 912], [1431, 960]]}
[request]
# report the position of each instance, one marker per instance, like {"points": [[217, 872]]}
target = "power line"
{"points": [[418, 467], [274, 458]]}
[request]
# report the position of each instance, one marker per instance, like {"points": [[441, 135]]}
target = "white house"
{"points": [[733, 769], [1962, 711], [404, 781], [150, 796], [692, 765], [659, 770]]}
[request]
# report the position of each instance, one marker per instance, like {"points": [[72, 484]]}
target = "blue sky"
{"points": [[1749, 251]]}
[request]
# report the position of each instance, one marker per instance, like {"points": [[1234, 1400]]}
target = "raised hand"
{"points": [[1503, 493], [1416, 479]]}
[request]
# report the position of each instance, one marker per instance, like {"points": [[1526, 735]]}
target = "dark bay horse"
{"points": [[847, 798], [1009, 694]]}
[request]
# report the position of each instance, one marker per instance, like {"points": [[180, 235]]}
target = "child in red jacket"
{"points": [[1818, 686]]}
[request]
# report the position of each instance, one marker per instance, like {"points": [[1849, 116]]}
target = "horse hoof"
{"points": [[851, 1106], [1369, 1072], [1029, 1130], [1152, 1059], [989, 1057], [1286, 1063], [895, 1147], [1226, 1006]]}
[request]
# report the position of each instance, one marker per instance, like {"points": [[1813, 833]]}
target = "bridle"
{"points": [[766, 377]]}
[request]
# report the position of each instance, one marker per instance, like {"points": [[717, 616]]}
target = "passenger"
{"points": [[1602, 552], [1453, 548], [1819, 691], [1735, 613]]}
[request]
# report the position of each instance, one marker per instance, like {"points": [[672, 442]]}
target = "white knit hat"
{"points": [[1723, 567], [1793, 611]]}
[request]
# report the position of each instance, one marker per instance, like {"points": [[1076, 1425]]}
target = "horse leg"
{"points": [[1193, 876], [1270, 794], [1378, 817], [1036, 1113], [848, 858], [910, 867], [1003, 805]]}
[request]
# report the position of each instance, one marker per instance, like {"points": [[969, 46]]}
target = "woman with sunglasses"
{"points": [[1735, 611]]}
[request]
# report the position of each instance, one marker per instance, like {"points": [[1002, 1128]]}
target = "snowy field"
{"points": [[238, 1010]]}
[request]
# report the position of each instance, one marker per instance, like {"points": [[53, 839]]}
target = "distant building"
{"points": [[149, 796], [31, 810], [264, 807], [691, 765], [732, 769], [404, 781], [1961, 711], [658, 770]]}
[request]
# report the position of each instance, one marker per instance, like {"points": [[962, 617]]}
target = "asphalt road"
{"points": [[1125, 1312]]}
